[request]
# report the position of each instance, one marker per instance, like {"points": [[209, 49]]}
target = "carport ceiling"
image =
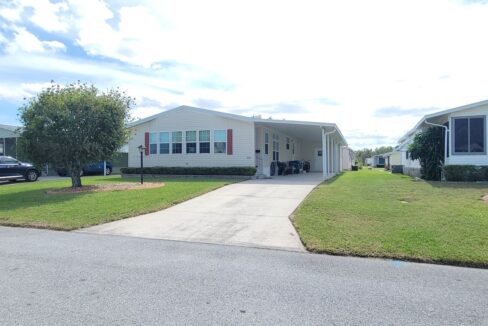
{"points": [[304, 131]]}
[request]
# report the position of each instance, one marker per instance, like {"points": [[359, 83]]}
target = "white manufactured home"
{"points": [[194, 137], [465, 136]]}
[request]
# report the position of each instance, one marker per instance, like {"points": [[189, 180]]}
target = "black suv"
{"points": [[12, 169]]}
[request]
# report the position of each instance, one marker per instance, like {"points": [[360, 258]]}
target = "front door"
{"points": [[318, 159]]}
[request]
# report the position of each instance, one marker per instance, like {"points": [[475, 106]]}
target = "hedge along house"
{"points": [[194, 137], [464, 131], [8, 140]]}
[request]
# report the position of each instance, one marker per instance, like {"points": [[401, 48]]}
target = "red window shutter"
{"points": [[230, 146], [146, 143]]}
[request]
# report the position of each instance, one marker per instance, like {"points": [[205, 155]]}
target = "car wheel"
{"points": [[32, 176], [108, 171]]}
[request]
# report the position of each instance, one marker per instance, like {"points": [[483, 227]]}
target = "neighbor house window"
{"points": [[153, 143], [266, 143], [287, 143], [191, 142], [164, 143], [276, 151], [220, 141], [204, 141], [176, 142], [469, 135]]}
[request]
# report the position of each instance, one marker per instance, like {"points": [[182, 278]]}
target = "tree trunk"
{"points": [[75, 180]]}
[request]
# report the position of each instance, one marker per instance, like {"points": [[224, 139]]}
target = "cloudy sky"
{"points": [[372, 67]]}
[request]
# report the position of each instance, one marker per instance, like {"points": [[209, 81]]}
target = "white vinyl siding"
{"points": [[205, 124]]}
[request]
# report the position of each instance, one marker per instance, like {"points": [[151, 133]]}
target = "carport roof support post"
{"points": [[325, 152]]}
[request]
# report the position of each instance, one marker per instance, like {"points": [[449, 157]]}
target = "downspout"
{"points": [[447, 132]]}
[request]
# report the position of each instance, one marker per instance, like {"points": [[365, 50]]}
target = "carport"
{"points": [[316, 142]]}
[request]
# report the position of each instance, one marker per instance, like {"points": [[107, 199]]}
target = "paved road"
{"points": [[250, 213], [59, 278]]}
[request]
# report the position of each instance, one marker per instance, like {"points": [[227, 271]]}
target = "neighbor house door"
{"points": [[259, 162], [318, 159]]}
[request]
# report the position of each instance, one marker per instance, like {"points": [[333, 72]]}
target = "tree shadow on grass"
{"points": [[35, 197]]}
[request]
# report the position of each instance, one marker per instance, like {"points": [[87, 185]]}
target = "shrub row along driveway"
{"points": [[254, 213], [374, 213]]}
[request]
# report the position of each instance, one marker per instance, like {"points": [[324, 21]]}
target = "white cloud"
{"points": [[50, 16], [24, 41], [364, 55]]}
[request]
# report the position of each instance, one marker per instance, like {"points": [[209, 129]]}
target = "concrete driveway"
{"points": [[251, 213]]}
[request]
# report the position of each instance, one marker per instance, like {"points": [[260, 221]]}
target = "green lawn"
{"points": [[27, 204], [374, 213]]}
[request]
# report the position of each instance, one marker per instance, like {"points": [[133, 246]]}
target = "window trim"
{"points": [[209, 141], [453, 135], [226, 141], [168, 142], [156, 143], [191, 142], [173, 142]]}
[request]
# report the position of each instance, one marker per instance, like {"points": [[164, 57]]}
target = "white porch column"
{"points": [[336, 158], [340, 158], [324, 155], [329, 142], [333, 157]]}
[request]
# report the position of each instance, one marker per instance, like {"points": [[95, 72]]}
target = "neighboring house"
{"points": [[194, 137], [347, 158], [465, 135], [368, 161], [8, 140], [8, 147], [393, 161], [376, 161]]}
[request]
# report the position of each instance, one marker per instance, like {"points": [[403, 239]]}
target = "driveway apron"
{"points": [[250, 213]]}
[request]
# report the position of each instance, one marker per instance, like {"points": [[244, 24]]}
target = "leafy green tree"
{"points": [[73, 126], [363, 154], [428, 148]]}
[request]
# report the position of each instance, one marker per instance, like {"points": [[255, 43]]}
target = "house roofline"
{"points": [[238, 117], [440, 113]]}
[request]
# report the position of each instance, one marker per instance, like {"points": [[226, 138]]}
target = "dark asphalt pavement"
{"points": [[60, 278]]}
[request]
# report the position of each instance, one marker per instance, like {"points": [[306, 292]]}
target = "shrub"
{"points": [[176, 170], [428, 148], [465, 173]]}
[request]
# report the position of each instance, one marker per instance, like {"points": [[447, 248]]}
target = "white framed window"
{"points": [[204, 141], [266, 143], [469, 135], [191, 142], [177, 142], [276, 150], [153, 143], [164, 142], [220, 141], [287, 143]]}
